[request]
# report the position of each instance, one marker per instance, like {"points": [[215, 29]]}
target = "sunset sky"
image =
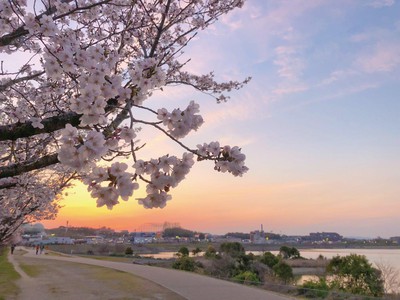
{"points": [[319, 123]]}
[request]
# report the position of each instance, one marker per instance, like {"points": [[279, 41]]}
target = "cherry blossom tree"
{"points": [[75, 80]]}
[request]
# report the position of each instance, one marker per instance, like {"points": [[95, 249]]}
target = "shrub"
{"points": [[247, 277], [223, 267], [183, 251], [269, 259], [287, 252], [355, 274], [210, 252], [233, 249], [185, 263], [283, 271], [196, 251], [128, 251], [315, 289]]}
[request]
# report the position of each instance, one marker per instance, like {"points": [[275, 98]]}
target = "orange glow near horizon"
{"points": [[220, 208]]}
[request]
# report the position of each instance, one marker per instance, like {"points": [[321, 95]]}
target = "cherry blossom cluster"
{"points": [[146, 75], [45, 25], [180, 123], [165, 173], [118, 184], [80, 156], [227, 159]]}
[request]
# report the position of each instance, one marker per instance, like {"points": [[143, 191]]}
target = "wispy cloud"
{"points": [[289, 89], [290, 65], [238, 111], [381, 3], [339, 75], [384, 57], [232, 21]]}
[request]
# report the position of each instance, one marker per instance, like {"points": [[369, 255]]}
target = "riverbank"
{"points": [[155, 248]]}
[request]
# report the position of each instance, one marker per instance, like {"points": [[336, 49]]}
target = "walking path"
{"points": [[189, 285], [29, 291]]}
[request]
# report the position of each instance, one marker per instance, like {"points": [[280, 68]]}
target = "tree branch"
{"points": [[160, 29], [3, 87], [51, 159], [15, 131], [27, 166]]}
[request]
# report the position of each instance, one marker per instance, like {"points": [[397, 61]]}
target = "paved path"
{"points": [[189, 285]]}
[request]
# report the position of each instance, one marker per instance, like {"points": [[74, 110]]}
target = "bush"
{"points": [[183, 251], [233, 249], [210, 252], [315, 289], [223, 267], [185, 263], [247, 277], [196, 251], [128, 251], [355, 274], [283, 271], [269, 259], [287, 252]]}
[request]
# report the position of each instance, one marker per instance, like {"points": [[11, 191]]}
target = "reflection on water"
{"points": [[304, 278]]}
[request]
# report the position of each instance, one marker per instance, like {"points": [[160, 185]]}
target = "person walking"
{"points": [[12, 248], [37, 249]]}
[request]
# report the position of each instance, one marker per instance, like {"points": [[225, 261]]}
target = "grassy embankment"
{"points": [[8, 276]]}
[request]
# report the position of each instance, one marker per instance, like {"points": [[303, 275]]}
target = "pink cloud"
{"points": [[383, 58]]}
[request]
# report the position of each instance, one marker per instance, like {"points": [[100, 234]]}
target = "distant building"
{"points": [[261, 237], [325, 237], [143, 237], [61, 240], [94, 239], [395, 239]]}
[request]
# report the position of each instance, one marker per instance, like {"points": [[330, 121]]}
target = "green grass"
{"points": [[8, 276], [30, 270]]}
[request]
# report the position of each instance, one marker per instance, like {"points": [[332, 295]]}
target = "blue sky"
{"points": [[319, 122]]}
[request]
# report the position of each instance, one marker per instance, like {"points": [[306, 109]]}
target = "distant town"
{"points": [[33, 234]]}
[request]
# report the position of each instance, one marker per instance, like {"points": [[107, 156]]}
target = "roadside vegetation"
{"points": [[8, 276], [352, 274]]}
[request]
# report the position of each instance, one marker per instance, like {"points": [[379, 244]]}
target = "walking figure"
{"points": [[12, 248], [41, 248], [37, 249]]}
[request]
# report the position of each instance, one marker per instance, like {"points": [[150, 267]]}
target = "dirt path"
{"points": [[26, 284], [62, 280]]}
